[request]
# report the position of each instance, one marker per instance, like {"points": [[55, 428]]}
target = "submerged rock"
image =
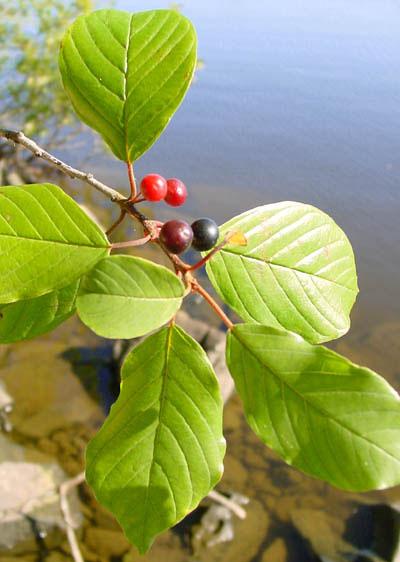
{"points": [[6, 406], [47, 394], [370, 534], [217, 524], [244, 543], [374, 530], [107, 543], [275, 552], [323, 534]]}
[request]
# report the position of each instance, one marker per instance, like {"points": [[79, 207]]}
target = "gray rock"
{"points": [[29, 492], [213, 341], [11, 451]]}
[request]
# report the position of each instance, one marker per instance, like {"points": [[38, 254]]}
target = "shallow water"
{"points": [[61, 381]]}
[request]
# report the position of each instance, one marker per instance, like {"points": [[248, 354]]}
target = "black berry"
{"points": [[205, 234], [176, 236]]}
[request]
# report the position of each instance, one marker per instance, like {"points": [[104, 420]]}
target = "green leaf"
{"points": [[297, 271], [160, 451], [321, 413], [127, 297], [30, 318], [46, 241], [126, 74]]}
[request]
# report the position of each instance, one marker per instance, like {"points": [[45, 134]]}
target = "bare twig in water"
{"points": [[65, 487], [226, 502]]}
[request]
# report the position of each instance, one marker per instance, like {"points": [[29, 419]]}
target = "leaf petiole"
{"points": [[130, 243], [228, 238]]}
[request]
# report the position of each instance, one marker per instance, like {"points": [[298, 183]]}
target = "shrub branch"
{"points": [[127, 205], [18, 137]]}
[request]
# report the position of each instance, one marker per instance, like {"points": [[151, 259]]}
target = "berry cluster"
{"points": [[156, 188], [178, 235]]}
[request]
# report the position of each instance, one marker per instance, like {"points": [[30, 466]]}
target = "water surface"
{"points": [[297, 101]]}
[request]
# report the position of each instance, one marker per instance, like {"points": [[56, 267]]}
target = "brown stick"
{"points": [[65, 487], [18, 137], [226, 502]]}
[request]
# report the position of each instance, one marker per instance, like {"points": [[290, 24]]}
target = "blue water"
{"points": [[298, 100]]}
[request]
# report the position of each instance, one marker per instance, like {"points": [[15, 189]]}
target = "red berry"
{"points": [[177, 192], [153, 187], [176, 236]]}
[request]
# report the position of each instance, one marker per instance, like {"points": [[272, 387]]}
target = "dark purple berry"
{"points": [[205, 234], [176, 236]]}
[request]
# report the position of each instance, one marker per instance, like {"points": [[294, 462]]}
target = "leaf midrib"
{"points": [[124, 96], [318, 409], [129, 297], [164, 375], [270, 263]]}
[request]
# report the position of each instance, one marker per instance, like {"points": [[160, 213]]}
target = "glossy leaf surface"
{"points": [[321, 413], [160, 451], [30, 318], [46, 241], [296, 272], [126, 74], [127, 297]]}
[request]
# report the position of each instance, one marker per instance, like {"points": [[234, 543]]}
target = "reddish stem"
{"points": [[129, 243], [196, 287], [117, 222], [132, 181], [210, 254]]}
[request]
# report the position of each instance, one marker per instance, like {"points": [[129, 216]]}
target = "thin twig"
{"points": [[228, 238], [18, 137], [127, 205], [151, 228], [130, 243], [210, 254], [65, 487], [121, 217], [226, 502]]}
